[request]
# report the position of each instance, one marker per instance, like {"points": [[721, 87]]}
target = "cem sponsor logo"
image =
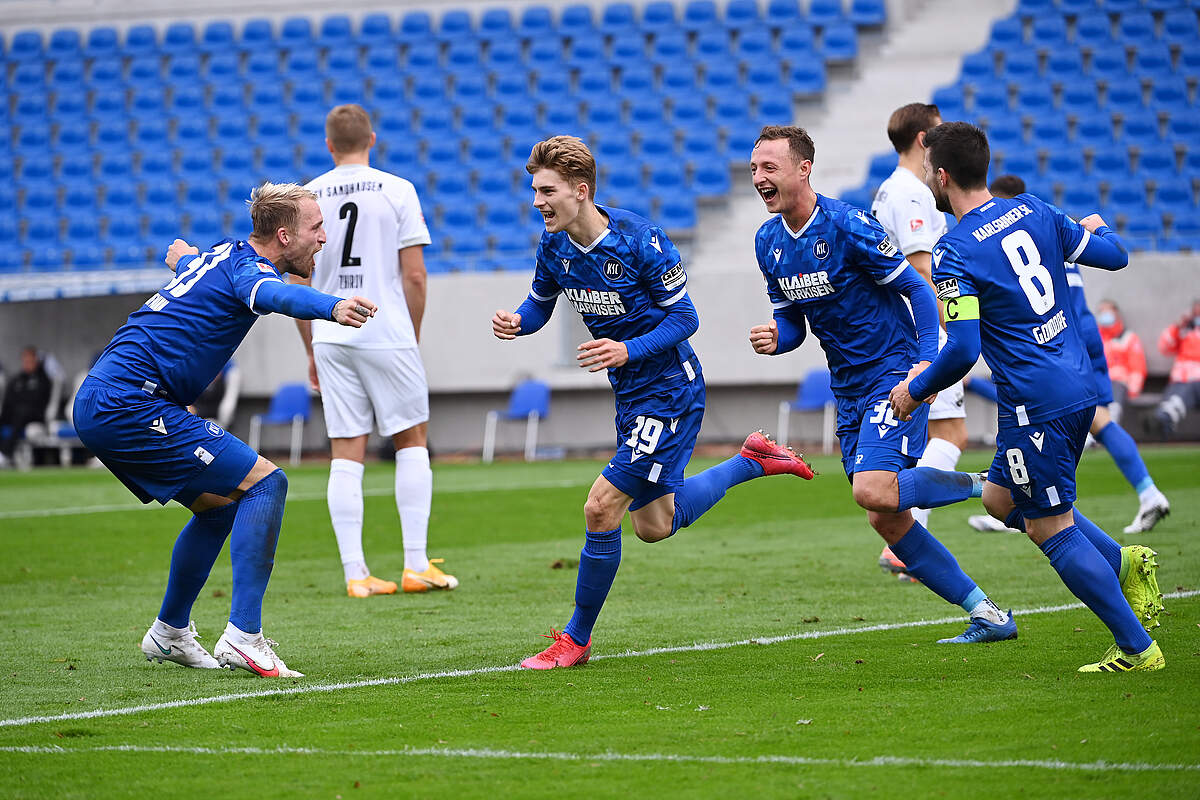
{"points": [[821, 249], [674, 277], [214, 429], [886, 248], [947, 289], [613, 269]]}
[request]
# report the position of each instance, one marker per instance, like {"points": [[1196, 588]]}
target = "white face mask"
{"points": [[1106, 318]]}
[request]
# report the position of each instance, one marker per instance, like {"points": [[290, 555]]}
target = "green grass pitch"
{"points": [[800, 708]]}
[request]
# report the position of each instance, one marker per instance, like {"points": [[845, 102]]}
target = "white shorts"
{"points": [[362, 385], [948, 404]]}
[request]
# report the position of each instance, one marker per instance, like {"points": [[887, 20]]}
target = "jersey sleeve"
{"points": [[950, 276], [545, 286], [411, 229], [248, 274], [774, 293], [869, 247], [661, 268], [1073, 236]]}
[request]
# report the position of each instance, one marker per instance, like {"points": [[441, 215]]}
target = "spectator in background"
{"points": [[25, 401], [1181, 340], [1124, 354]]}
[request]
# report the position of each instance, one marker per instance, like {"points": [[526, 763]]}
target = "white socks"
{"points": [[346, 513], [414, 496], [939, 454]]}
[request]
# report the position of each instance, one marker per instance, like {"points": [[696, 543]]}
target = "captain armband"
{"points": [[962, 308]]}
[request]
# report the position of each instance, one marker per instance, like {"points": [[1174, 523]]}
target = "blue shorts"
{"points": [[655, 440], [1036, 462], [157, 449], [872, 438]]}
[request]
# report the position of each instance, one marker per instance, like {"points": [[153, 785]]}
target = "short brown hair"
{"points": [[799, 142], [348, 128], [569, 157], [276, 205], [907, 121], [1007, 186]]}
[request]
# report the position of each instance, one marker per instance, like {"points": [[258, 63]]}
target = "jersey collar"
{"points": [[804, 227], [589, 248]]}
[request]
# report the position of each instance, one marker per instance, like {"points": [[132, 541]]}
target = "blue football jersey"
{"points": [[1010, 255], [183, 335], [836, 270], [621, 284], [1088, 328]]}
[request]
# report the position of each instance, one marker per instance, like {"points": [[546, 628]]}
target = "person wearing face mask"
{"points": [[1124, 354], [1152, 503], [1181, 340]]}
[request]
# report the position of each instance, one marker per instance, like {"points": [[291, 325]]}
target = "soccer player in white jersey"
{"points": [[376, 234], [906, 209]]}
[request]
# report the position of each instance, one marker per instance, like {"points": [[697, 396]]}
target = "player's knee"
{"points": [[597, 513], [875, 497], [650, 532]]}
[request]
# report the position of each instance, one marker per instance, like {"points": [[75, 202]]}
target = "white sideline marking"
{"points": [[465, 673], [299, 497], [439, 752]]}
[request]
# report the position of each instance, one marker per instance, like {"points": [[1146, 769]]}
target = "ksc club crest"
{"points": [[613, 269], [821, 248], [214, 429]]}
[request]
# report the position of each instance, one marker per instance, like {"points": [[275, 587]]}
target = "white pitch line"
{"points": [[300, 497], [465, 673], [518, 755]]}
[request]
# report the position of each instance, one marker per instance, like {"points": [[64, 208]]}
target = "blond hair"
{"points": [[276, 205], [348, 129], [569, 157]]}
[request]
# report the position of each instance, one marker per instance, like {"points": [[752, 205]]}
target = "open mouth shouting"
{"points": [[767, 192]]}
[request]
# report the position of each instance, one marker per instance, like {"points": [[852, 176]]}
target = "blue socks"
{"points": [[1086, 573], [1104, 543], [701, 492], [598, 564], [252, 548], [1124, 452], [926, 487], [195, 552], [927, 559]]}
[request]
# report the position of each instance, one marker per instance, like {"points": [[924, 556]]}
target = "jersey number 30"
{"points": [[1034, 278]]}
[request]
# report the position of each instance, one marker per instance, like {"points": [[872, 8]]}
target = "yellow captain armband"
{"points": [[962, 308]]}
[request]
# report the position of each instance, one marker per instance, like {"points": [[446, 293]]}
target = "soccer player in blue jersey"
{"points": [[1152, 503], [131, 412], [1001, 274], [832, 268], [625, 278]]}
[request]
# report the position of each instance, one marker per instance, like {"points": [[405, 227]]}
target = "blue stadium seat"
{"points": [[881, 166], [1184, 129], [140, 40], [1153, 61], [65, 43], [1081, 99], [179, 36], [807, 78], [218, 37], [1126, 193], [586, 55], [679, 81], [347, 89], [1049, 32], [415, 26], [711, 180], [74, 164], [797, 43], [1080, 199], [1063, 165], [300, 65], [754, 45], [670, 49], [144, 71], [180, 69], [257, 34], [1180, 27], [1170, 94], [740, 15], [30, 106], [1049, 131], [782, 13], [618, 19], [774, 107], [105, 73], [1141, 229], [376, 30], [1007, 33], [628, 51], [1136, 28], [1109, 64], [547, 53], [611, 149], [381, 62], [823, 13], [700, 14], [102, 41], [295, 33], [1124, 97], [635, 80], [1157, 162], [27, 45], [978, 67], [1110, 161], [656, 144], [677, 213], [595, 87], [868, 13], [1034, 100], [712, 47], [990, 99], [839, 43], [576, 20], [336, 32], [1021, 163], [1093, 32], [29, 76], [222, 66], [12, 259], [496, 24], [536, 21], [1174, 196], [1064, 65], [1139, 129], [342, 62], [689, 111], [1005, 134], [197, 163]]}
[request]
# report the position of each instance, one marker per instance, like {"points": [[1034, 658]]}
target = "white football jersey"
{"points": [[369, 216], [906, 209]]}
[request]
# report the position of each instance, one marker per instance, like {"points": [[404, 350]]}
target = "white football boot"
{"points": [[985, 523], [1149, 514], [252, 652], [182, 649]]}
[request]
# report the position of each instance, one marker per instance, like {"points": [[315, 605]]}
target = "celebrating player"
{"points": [[1001, 275], [625, 278], [131, 412], [1152, 503], [834, 267], [905, 208], [375, 372]]}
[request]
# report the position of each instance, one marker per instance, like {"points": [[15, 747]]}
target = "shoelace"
{"points": [[561, 642]]}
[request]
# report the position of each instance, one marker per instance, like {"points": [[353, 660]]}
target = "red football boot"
{"points": [[563, 653], [774, 457]]}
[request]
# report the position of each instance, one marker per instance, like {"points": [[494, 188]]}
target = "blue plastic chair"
{"points": [[291, 405], [739, 15], [868, 13], [529, 401], [700, 14], [102, 41], [813, 394], [839, 43]]}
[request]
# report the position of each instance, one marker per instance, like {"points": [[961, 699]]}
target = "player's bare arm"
{"points": [[506, 324], [413, 276], [353, 312], [178, 249], [600, 354], [765, 338]]}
